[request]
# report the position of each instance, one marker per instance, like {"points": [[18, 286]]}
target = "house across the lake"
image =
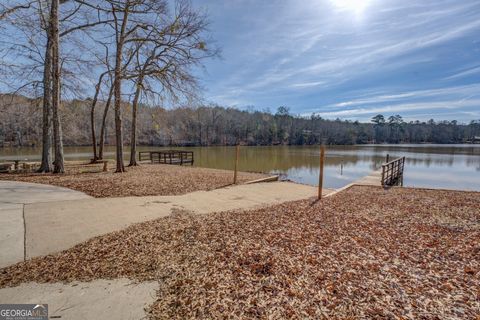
{"points": [[475, 139]]}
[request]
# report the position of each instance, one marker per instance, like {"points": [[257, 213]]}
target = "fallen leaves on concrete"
{"points": [[144, 180], [363, 253]]}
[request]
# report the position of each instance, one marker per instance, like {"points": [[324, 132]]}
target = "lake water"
{"points": [[432, 166]]}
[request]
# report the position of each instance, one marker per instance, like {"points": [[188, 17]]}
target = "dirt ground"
{"points": [[144, 180], [362, 253]]}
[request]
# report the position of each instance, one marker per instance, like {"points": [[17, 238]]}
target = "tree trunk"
{"points": [[94, 138], [104, 123], [47, 110], [118, 128], [58, 165], [133, 137], [117, 85], [92, 117]]}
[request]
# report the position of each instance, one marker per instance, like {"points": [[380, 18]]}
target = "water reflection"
{"points": [[436, 166]]}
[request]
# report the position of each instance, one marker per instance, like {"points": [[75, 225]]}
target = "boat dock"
{"points": [[178, 157], [390, 174]]}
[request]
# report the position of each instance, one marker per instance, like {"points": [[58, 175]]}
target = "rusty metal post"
{"points": [[320, 176]]}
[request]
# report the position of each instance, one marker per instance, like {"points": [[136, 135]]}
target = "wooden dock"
{"points": [[178, 157], [392, 172]]}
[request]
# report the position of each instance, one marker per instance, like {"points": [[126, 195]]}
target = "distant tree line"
{"points": [[20, 125]]}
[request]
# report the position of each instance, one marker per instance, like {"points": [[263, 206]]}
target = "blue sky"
{"points": [[349, 59]]}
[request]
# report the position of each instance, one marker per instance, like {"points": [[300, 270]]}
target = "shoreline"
{"points": [[142, 180], [255, 145], [245, 177]]}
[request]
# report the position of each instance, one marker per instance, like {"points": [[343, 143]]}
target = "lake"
{"points": [[432, 166]]}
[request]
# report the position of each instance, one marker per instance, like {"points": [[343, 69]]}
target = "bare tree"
{"points": [[165, 53], [153, 49], [92, 115], [121, 34], [104, 123], [45, 165], [130, 17], [54, 34], [5, 10], [133, 134], [104, 64], [28, 16], [58, 164]]}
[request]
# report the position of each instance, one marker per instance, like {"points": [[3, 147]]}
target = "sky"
{"points": [[347, 59]]}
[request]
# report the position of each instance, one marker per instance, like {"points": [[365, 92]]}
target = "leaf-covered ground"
{"points": [[364, 253], [144, 180]]}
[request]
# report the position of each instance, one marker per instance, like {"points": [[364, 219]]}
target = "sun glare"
{"points": [[355, 6]]}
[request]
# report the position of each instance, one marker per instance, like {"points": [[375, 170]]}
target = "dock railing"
{"points": [[392, 172], [167, 156], [144, 155]]}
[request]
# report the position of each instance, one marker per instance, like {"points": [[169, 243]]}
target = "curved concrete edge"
{"points": [[266, 179], [98, 299], [14, 195], [56, 226], [27, 192], [12, 234], [372, 179]]}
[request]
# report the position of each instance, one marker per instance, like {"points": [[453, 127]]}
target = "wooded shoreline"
{"points": [[214, 125]]}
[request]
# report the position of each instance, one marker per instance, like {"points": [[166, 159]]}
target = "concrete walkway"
{"points": [[51, 219], [38, 219], [13, 198], [373, 179], [98, 299]]}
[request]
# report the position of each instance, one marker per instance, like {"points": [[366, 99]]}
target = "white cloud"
{"points": [[464, 73], [307, 84], [402, 107], [463, 92]]}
